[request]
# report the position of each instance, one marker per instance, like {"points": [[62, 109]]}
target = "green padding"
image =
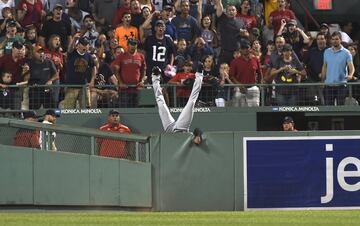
{"points": [[61, 178], [16, 184], [146, 98], [196, 177], [135, 184], [104, 180]]}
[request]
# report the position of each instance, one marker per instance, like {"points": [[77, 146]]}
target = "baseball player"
{"points": [[182, 124]]}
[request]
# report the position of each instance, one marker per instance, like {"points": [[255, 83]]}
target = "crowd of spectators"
{"points": [[104, 52]]}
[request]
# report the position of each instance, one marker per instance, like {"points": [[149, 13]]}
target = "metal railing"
{"points": [[78, 140], [72, 96]]}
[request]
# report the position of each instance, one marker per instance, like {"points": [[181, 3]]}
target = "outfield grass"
{"points": [[274, 218]]}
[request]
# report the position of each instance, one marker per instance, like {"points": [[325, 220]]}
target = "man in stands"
{"points": [[289, 124], [113, 148]]}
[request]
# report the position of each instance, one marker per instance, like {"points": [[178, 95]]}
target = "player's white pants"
{"points": [[182, 124]]}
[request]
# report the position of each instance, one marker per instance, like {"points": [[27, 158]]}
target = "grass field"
{"points": [[273, 218]]}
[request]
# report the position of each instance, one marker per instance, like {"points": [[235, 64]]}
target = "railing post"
{"points": [[137, 151], [92, 142]]}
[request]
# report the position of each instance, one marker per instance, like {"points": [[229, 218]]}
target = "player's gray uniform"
{"points": [[182, 124]]}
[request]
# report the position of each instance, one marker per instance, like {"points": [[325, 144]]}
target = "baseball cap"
{"points": [[88, 16], [292, 22], [83, 41], [30, 114], [324, 25], [159, 22], [113, 112], [288, 119], [58, 6], [55, 113], [11, 23], [17, 45], [132, 42], [168, 7], [287, 47]]}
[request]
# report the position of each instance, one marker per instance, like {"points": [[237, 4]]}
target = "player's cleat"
{"points": [[197, 136], [156, 73], [200, 68]]}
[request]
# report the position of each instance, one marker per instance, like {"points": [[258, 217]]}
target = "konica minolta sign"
{"points": [[302, 172]]}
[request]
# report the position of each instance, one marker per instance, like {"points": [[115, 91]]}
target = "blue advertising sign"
{"points": [[302, 172]]}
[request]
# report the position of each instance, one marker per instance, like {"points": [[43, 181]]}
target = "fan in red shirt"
{"points": [[282, 13], [183, 92], [109, 147]]}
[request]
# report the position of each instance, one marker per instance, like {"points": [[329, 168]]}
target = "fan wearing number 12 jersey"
{"points": [[160, 50]]}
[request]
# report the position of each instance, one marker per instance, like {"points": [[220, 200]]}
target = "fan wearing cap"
{"points": [[14, 64], [27, 137], [50, 117], [90, 30], [42, 72], [294, 36], [10, 37], [159, 49], [246, 72], [113, 148], [287, 71], [81, 70], [130, 69], [126, 31], [56, 26], [288, 124]]}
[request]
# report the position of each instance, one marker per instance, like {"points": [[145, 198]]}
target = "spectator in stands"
{"points": [[10, 37], [126, 31], [159, 50], [314, 61], [119, 14], [210, 82], [165, 15], [229, 30], [222, 96], [106, 9], [56, 26], [114, 51], [244, 15], [294, 36], [130, 69], [246, 72], [208, 33], [7, 16], [288, 124], [42, 72], [324, 28], [46, 143], [338, 68], [145, 28], [75, 14], [287, 70], [199, 50], [50, 4], [103, 97], [6, 93], [184, 81], [280, 15], [186, 25], [14, 64], [136, 15], [27, 137], [113, 148], [6, 4], [81, 71], [256, 49], [30, 12], [31, 35], [346, 30], [90, 30], [182, 55], [53, 52]]}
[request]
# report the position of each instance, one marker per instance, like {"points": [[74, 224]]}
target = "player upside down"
{"points": [[182, 124]]}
